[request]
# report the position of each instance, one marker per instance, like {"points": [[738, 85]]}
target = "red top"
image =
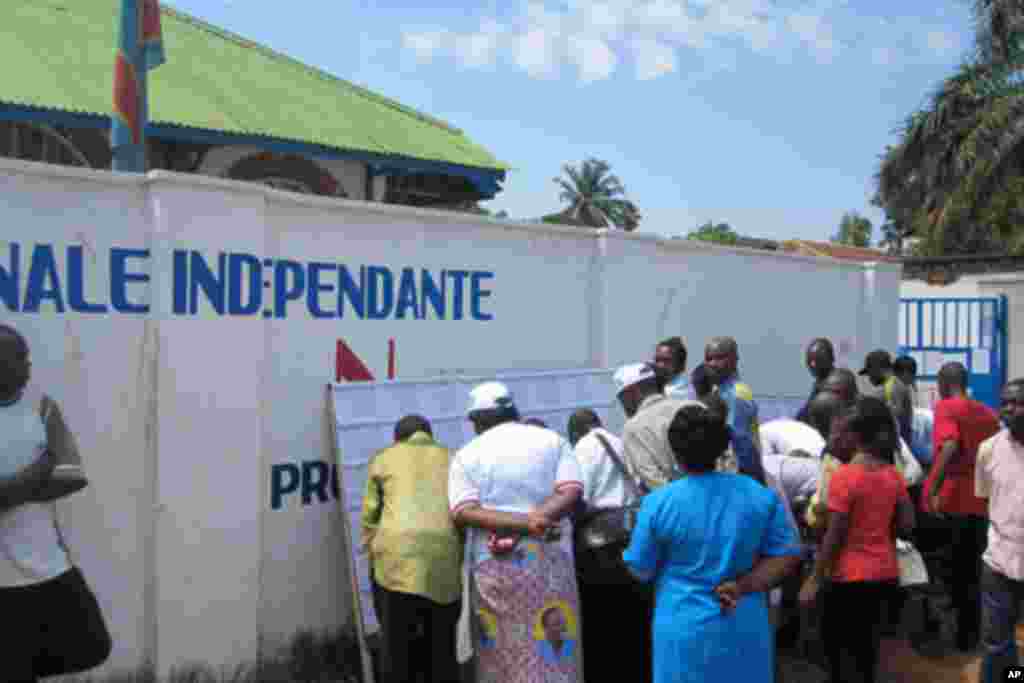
{"points": [[968, 423], [869, 495]]}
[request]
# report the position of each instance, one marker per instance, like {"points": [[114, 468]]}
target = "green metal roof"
{"points": [[60, 55]]}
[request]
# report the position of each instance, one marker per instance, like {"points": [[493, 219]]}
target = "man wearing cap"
{"points": [[883, 383], [721, 359], [648, 455], [512, 488]]}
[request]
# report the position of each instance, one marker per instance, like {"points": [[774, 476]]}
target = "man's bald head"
{"points": [[581, 423], [952, 379], [722, 345], [721, 356], [820, 358], [822, 409], [14, 363], [843, 383]]}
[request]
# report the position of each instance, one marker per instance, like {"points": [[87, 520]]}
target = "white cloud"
{"points": [[816, 32], [672, 21], [653, 59], [604, 19], [476, 50], [597, 36], [535, 54], [424, 45], [593, 57]]}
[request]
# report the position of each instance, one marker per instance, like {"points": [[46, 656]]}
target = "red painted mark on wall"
{"points": [[391, 358], [348, 367]]}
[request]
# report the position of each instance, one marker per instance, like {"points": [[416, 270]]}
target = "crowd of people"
{"points": [[663, 550], [671, 550]]}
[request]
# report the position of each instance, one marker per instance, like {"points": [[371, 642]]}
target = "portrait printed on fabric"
{"points": [[555, 632], [488, 629]]}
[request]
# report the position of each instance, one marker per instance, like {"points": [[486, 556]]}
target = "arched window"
{"points": [[287, 172], [40, 142]]}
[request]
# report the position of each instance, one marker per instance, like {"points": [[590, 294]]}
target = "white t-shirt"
{"points": [[782, 436], [797, 477], [603, 483], [31, 550], [511, 468]]}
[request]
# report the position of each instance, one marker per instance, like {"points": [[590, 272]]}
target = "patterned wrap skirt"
{"points": [[526, 614]]}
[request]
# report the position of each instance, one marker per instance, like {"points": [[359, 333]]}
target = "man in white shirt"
{"points": [[604, 482], [54, 623], [617, 611], [784, 436], [792, 455]]}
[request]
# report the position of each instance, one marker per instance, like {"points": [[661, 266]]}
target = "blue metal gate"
{"points": [[969, 330]]}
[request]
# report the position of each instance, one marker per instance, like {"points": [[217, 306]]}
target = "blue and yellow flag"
{"points": [[140, 49]]}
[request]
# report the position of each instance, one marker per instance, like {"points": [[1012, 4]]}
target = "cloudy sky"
{"points": [[767, 114]]}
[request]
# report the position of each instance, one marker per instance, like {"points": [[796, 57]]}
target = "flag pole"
{"points": [[124, 120], [143, 76], [140, 48]]}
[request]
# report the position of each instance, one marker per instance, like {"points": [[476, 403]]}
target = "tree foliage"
{"points": [[854, 230], [951, 179], [595, 197], [718, 233]]}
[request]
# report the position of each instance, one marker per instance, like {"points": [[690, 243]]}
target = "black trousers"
{"points": [[970, 536], [51, 628], [852, 620], [418, 637], [618, 616]]}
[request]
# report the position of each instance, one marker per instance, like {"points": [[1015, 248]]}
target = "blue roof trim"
{"points": [[12, 112], [487, 181]]}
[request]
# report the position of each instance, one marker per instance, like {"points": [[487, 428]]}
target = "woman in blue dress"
{"points": [[714, 544]]}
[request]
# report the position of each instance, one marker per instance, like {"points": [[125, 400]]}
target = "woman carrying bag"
{"points": [[53, 623]]}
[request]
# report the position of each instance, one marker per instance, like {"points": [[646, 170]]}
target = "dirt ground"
{"points": [[900, 663]]}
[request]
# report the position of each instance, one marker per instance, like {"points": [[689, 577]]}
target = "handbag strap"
{"points": [[45, 409], [636, 490]]}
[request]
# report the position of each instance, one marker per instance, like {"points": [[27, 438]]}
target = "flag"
{"points": [[140, 48], [152, 35]]}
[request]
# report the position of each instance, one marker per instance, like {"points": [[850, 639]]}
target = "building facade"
{"points": [[225, 106]]}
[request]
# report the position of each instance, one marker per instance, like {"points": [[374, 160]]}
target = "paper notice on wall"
{"points": [[366, 412], [981, 361], [934, 360]]}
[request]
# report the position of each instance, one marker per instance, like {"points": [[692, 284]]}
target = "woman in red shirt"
{"points": [[868, 508]]}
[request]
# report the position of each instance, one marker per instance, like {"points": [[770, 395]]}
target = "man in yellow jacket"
{"points": [[415, 554]]}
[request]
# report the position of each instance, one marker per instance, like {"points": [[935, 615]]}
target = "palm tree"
{"points": [[596, 197], [964, 151]]}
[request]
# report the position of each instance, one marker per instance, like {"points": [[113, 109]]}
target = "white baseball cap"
{"points": [[631, 374], [489, 396]]}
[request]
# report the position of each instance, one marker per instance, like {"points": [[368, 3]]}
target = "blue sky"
{"points": [[767, 114]]}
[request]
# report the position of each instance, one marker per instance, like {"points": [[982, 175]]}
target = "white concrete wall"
{"points": [[211, 524], [990, 285], [97, 367], [773, 304]]}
